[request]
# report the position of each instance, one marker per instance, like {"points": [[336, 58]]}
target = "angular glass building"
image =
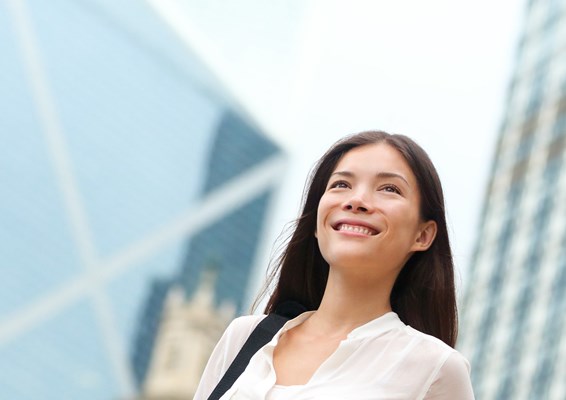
{"points": [[125, 168], [514, 312]]}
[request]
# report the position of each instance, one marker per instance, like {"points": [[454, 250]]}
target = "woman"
{"points": [[370, 257]]}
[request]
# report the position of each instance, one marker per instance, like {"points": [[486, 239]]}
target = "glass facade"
{"points": [[120, 168], [513, 311]]}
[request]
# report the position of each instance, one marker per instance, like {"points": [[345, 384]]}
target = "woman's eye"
{"points": [[339, 185], [391, 189]]}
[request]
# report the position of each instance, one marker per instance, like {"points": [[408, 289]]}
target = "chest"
{"points": [[296, 359], [384, 369]]}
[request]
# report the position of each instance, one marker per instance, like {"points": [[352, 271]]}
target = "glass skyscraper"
{"points": [[513, 316], [125, 168]]}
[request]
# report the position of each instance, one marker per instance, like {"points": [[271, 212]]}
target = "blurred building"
{"points": [[513, 325], [188, 332], [228, 245], [126, 172]]}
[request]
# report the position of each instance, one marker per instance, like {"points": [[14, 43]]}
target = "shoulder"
{"points": [[245, 323], [456, 364], [225, 351], [429, 344], [239, 330], [232, 340], [450, 377], [452, 380]]}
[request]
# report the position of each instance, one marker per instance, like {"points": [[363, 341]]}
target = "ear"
{"points": [[425, 236]]}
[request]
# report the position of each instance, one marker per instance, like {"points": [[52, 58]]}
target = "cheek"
{"points": [[405, 212], [321, 214], [319, 220], [408, 224]]}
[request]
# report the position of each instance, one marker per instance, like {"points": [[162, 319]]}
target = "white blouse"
{"points": [[380, 360]]}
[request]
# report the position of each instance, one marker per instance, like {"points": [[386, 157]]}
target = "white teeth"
{"points": [[356, 229]]}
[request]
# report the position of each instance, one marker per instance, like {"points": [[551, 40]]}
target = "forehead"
{"points": [[375, 158]]}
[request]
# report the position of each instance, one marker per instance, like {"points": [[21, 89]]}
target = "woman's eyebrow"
{"points": [[379, 175], [392, 175], [343, 173]]}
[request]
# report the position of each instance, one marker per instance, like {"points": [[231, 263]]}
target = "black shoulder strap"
{"points": [[261, 335]]}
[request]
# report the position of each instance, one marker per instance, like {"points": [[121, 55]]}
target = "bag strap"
{"points": [[260, 336]]}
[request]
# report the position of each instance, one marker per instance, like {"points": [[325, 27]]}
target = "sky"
{"points": [[310, 72]]}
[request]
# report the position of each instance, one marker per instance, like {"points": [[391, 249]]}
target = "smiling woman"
{"points": [[369, 260], [368, 221]]}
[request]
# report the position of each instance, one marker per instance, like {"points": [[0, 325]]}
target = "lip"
{"points": [[356, 222]]}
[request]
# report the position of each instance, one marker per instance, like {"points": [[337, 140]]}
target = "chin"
{"points": [[352, 260]]}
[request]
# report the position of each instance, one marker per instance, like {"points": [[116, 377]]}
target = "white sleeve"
{"points": [[453, 380], [224, 353]]}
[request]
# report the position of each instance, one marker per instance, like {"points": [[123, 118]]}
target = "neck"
{"points": [[347, 304]]}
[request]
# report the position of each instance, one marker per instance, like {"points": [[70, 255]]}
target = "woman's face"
{"points": [[368, 217]]}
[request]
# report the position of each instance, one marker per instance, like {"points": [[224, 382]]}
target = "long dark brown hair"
{"points": [[423, 295]]}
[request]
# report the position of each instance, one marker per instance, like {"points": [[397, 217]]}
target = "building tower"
{"points": [[229, 243], [188, 332], [513, 316], [121, 155]]}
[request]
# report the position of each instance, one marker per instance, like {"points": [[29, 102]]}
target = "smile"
{"points": [[356, 229]]}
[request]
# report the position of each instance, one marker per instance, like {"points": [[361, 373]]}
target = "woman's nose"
{"points": [[357, 203]]}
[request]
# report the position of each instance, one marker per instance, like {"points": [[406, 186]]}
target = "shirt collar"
{"points": [[384, 323], [375, 327], [296, 321]]}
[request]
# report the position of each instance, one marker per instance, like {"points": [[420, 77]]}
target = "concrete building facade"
{"points": [[513, 314]]}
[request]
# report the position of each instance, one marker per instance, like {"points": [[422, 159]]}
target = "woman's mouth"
{"points": [[364, 230]]}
